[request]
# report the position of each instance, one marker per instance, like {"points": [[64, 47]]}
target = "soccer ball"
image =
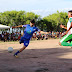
{"points": [[10, 49]]}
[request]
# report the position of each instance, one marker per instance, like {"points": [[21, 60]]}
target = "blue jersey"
{"points": [[28, 32]]}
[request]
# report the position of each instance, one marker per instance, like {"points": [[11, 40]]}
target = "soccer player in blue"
{"points": [[28, 32]]}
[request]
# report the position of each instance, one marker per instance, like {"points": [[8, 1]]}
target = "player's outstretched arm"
{"points": [[62, 26], [17, 26]]}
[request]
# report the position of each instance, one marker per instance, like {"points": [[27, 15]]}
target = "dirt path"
{"points": [[40, 56]]}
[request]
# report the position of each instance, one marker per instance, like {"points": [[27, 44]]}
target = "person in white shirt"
{"points": [[68, 36]]}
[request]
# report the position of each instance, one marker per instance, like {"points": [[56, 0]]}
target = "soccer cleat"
{"points": [[16, 56]]}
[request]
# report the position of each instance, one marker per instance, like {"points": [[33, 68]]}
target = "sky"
{"points": [[40, 7]]}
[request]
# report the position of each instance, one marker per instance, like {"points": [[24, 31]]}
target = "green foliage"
{"points": [[15, 18], [54, 21], [48, 23]]}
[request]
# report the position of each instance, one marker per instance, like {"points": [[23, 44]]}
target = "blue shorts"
{"points": [[25, 41]]}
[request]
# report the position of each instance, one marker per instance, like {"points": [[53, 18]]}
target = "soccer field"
{"points": [[39, 56]]}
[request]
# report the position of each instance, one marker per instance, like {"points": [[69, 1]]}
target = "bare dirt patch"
{"points": [[39, 56]]}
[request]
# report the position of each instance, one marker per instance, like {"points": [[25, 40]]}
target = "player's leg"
{"points": [[64, 40], [26, 43], [22, 48], [71, 42], [21, 40], [19, 51]]}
